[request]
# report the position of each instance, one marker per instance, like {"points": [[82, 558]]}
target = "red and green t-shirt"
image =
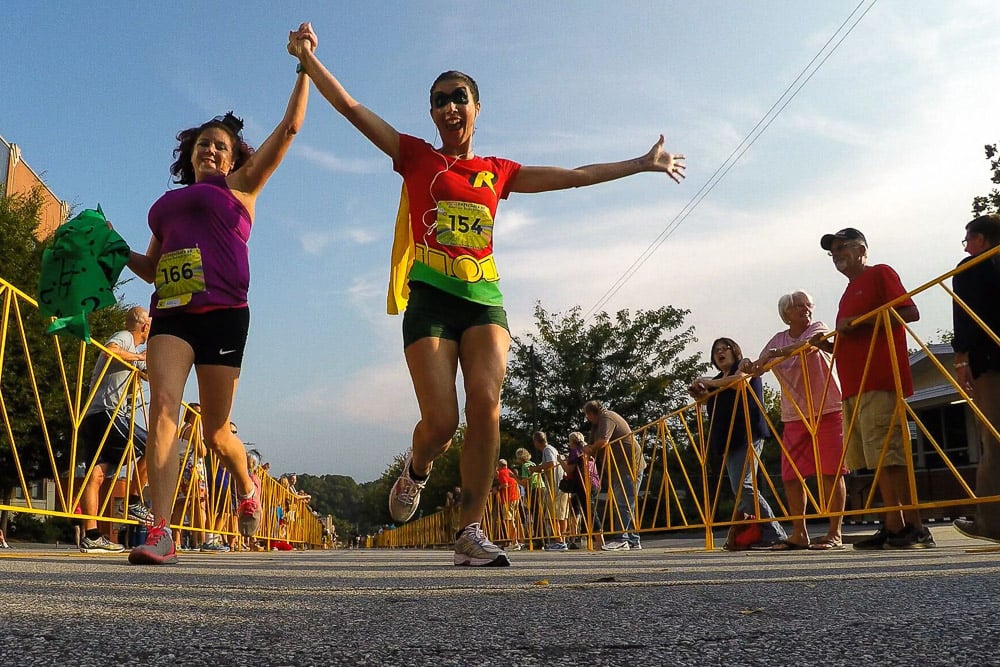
{"points": [[452, 205]]}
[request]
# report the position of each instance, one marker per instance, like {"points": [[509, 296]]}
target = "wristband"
{"points": [[962, 364], [299, 69]]}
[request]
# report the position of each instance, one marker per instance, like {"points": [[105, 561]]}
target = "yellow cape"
{"points": [[401, 259]]}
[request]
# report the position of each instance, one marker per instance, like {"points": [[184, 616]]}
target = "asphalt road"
{"points": [[669, 604]]}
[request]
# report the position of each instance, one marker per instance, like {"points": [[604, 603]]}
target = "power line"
{"points": [[769, 117]]}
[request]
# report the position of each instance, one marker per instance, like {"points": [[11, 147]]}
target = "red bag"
{"points": [[742, 536]]}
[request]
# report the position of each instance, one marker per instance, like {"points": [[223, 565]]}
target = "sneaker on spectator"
{"points": [[573, 546], [405, 493], [214, 547], [101, 545], [617, 545], [248, 512], [874, 542], [634, 546], [969, 529], [141, 513], [556, 546], [158, 549], [472, 547], [910, 538], [517, 546]]}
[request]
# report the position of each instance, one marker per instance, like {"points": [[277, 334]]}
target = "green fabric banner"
{"points": [[79, 271]]}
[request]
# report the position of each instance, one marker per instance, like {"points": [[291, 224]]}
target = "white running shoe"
{"points": [[616, 546], [473, 548], [101, 545], [405, 493]]}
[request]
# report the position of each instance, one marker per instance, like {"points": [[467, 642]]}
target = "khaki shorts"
{"points": [[560, 511], [873, 423]]}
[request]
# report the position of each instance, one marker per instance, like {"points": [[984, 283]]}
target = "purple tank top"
{"points": [[207, 216]]}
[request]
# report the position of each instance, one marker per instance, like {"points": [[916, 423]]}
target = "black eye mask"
{"points": [[460, 96]]}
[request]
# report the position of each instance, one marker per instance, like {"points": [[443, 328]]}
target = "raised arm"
{"points": [[251, 177], [544, 179], [384, 136]]}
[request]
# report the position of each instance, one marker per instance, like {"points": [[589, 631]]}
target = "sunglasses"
{"points": [[460, 96]]}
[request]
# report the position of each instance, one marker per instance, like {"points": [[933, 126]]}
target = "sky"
{"points": [[887, 136]]}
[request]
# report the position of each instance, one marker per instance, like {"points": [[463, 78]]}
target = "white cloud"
{"points": [[314, 242], [331, 162]]}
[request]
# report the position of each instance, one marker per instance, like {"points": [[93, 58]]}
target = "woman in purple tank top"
{"points": [[198, 260]]}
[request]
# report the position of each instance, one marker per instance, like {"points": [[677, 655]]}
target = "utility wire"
{"points": [[769, 117]]}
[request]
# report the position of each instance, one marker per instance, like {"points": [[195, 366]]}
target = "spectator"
{"points": [[977, 363], [193, 490], [611, 438], [872, 407], [222, 501], [556, 502], [729, 412], [810, 403], [582, 483], [3, 542], [531, 487], [108, 421], [293, 479], [509, 498]]}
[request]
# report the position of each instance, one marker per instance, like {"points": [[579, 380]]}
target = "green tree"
{"points": [[989, 203], [633, 363]]}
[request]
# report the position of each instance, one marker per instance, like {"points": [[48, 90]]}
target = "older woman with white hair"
{"points": [[811, 415]]}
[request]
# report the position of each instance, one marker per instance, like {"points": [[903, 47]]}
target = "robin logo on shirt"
{"points": [[483, 179]]}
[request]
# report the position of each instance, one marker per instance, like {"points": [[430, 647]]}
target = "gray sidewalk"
{"points": [[669, 604]]}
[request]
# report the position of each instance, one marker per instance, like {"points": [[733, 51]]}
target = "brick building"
{"points": [[18, 178]]}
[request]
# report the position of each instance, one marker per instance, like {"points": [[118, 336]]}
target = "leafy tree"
{"points": [[989, 203], [633, 363]]}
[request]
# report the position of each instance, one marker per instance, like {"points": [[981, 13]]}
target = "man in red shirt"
{"points": [[873, 378]]}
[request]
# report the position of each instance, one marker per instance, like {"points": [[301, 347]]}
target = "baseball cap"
{"points": [[847, 233]]}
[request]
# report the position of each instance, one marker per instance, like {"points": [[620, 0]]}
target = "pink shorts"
{"points": [[799, 445]]}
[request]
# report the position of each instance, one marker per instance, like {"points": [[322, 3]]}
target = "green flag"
{"points": [[79, 272]]}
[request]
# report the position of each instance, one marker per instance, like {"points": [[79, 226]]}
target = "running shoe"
{"points": [[101, 545], [911, 538], [970, 529], [158, 549], [405, 493], [141, 513], [556, 546], [214, 547], [248, 512], [874, 542], [473, 548], [621, 545]]}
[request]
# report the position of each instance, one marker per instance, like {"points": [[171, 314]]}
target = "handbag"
{"points": [[742, 536]]}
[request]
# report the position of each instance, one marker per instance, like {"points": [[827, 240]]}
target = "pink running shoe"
{"points": [[248, 513], [158, 549]]}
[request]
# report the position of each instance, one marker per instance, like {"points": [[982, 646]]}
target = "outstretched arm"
{"points": [[544, 179], [384, 136], [253, 174], [142, 265]]}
